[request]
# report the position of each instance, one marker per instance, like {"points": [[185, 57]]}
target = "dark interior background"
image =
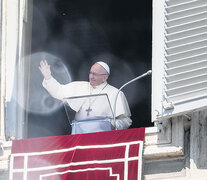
{"points": [[72, 34]]}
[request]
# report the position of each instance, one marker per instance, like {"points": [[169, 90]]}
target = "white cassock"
{"points": [[97, 105]]}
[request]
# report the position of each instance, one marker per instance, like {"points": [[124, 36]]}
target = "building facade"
{"points": [[176, 147]]}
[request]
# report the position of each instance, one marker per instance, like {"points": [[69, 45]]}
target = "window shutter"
{"points": [[179, 57]]}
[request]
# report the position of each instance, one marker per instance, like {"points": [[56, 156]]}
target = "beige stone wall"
{"points": [[178, 150]]}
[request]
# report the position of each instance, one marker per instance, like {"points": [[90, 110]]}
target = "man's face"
{"points": [[97, 75]]}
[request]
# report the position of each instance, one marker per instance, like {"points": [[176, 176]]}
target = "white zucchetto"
{"points": [[104, 65]]}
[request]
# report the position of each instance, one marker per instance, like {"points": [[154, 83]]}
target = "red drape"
{"points": [[111, 155]]}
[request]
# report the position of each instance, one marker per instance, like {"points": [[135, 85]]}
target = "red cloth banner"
{"points": [[111, 155]]}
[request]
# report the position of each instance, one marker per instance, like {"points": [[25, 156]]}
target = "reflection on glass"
{"points": [[91, 113]]}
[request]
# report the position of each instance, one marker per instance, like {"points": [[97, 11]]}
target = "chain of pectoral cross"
{"points": [[90, 103]]}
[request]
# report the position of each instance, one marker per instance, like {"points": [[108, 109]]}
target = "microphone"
{"points": [[149, 72]]}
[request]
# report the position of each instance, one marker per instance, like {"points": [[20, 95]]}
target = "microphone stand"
{"points": [[129, 82]]}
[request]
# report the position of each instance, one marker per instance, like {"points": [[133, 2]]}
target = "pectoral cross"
{"points": [[88, 110]]}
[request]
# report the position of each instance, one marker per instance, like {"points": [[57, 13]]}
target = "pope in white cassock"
{"points": [[93, 106]]}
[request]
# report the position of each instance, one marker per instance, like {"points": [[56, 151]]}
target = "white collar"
{"points": [[101, 86]]}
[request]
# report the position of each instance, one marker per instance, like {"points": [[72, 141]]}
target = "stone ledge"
{"points": [[154, 152], [151, 130], [5, 153], [4, 165], [153, 149]]}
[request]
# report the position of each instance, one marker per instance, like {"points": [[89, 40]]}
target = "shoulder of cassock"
{"points": [[77, 88], [122, 107]]}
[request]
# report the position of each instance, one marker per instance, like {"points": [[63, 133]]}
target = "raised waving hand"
{"points": [[45, 69]]}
